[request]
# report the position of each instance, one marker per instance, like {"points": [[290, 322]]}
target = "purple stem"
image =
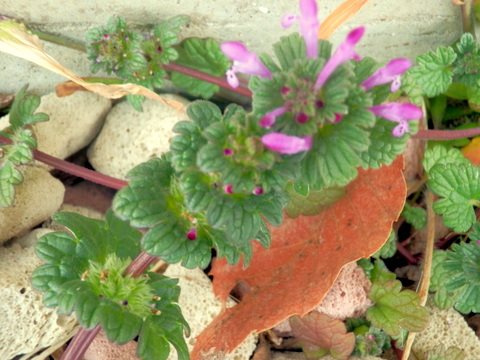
{"points": [[446, 134], [207, 77], [74, 169], [80, 343]]}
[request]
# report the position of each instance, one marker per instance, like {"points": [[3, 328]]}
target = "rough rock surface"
{"points": [[200, 306], [448, 328], [129, 137], [27, 325], [74, 121], [347, 298], [36, 198]]}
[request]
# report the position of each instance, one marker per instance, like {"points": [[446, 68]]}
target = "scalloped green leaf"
{"points": [[204, 55], [143, 201], [443, 297], [458, 185], [463, 266], [395, 309], [442, 155], [416, 216], [433, 71], [204, 113]]}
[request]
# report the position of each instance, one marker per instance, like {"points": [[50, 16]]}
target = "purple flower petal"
{"points": [[345, 52], [269, 119], [286, 144], [309, 25], [398, 113], [232, 78], [388, 73], [401, 129], [244, 61], [228, 189]]}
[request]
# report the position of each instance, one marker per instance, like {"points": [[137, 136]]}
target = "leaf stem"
{"points": [[446, 134], [55, 39], [74, 169], [138, 266], [207, 77], [80, 343]]}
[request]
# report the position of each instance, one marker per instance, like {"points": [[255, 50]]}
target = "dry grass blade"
{"points": [[17, 41], [427, 267], [341, 14]]}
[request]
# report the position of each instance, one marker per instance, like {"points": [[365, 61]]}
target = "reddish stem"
{"points": [[207, 77], [410, 258], [80, 343], [446, 134], [73, 169], [138, 266]]}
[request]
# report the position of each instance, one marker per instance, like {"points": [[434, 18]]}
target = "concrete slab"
{"points": [[394, 27]]}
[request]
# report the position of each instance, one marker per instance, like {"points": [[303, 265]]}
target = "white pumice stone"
{"points": [[36, 199], [28, 327], [129, 137]]}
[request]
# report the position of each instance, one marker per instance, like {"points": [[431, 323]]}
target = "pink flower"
{"points": [[309, 25], [286, 144], [244, 61], [269, 119], [345, 52], [228, 189], [399, 113], [389, 73]]}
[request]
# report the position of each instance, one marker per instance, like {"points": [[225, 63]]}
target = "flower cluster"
{"points": [[308, 96]]}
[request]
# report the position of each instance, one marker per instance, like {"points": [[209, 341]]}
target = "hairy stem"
{"points": [[446, 134], [207, 77], [74, 169], [80, 343], [138, 266]]}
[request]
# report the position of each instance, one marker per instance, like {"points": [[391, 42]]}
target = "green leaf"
{"points": [[23, 110], [204, 113], [416, 216], [143, 201], [459, 187], [204, 55], [289, 49], [433, 71], [313, 202], [389, 248], [443, 297], [442, 155], [395, 309], [380, 272], [463, 266]]}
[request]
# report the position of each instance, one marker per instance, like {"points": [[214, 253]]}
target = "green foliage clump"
{"points": [[20, 151]]}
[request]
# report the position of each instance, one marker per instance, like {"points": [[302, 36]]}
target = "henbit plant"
{"points": [[316, 117]]}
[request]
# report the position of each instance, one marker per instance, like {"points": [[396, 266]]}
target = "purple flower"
{"points": [[309, 25], [389, 73], [399, 113], [228, 189], [269, 119], [192, 234], [345, 52], [244, 61], [286, 144], [227, 152]]}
